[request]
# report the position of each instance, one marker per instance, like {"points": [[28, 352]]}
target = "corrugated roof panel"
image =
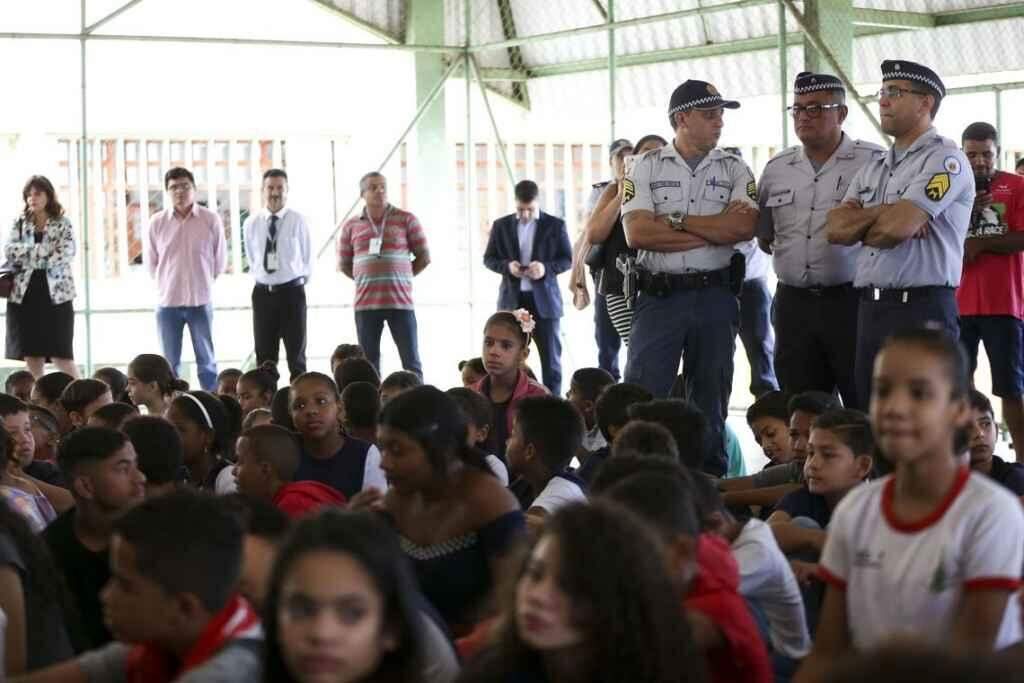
{"points": [[387, 15]]}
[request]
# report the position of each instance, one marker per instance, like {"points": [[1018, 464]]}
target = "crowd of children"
{"points": [[347, 528]]}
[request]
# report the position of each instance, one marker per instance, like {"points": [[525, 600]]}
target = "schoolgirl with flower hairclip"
{"points": [[506, 346]]}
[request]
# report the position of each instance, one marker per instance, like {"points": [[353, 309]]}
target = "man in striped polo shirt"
{"points": [[374, 250]]}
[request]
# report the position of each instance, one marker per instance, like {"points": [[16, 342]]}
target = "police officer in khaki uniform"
{"points": [[684, 208], [910, 210], [815, 302]]}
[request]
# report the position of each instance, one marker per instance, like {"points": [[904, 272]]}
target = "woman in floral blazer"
{"points": [[40, 309]]}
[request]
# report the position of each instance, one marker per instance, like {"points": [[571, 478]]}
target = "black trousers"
{"points": [[277, 315], [816, 340], [549, 344]]}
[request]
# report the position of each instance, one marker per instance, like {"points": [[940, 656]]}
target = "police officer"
{"points": [[910, 209], [815, 302], [684, 207]]}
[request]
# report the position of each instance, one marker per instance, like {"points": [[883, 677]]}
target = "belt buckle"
{"points": [[271, 288], [905, 296], [876, 294], [816, 291]]}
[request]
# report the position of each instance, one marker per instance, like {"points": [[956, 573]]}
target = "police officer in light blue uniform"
{"points": [[911, 210], [684, 208], [815, 302]]}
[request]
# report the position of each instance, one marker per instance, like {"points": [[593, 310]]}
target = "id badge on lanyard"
{"points": [[375, 245], [272, 261], [377, 241]]}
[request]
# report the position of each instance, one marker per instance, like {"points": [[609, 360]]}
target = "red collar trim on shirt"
{"points": [[913, 527]]}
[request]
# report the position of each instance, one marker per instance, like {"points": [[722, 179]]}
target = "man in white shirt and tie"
{"points": [[280, 259]]}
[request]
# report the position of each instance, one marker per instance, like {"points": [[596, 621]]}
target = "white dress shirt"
{"points": [[527, 231], [294, 253]]}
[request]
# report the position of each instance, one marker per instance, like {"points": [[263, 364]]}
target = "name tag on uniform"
{"points": [[272, 261], [375, 245]]}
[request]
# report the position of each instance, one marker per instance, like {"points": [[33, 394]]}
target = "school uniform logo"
{"points": [[937, 187]]}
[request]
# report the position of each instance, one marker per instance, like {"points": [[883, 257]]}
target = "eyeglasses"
{"points": [[711, 114], [812, 110], [893, 92]]}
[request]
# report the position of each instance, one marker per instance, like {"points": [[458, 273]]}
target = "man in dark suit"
{"points": [[529, 249]]}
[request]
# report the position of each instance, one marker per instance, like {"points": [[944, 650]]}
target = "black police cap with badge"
{"points": [[902, 70], [807, 82], [697, 95]]}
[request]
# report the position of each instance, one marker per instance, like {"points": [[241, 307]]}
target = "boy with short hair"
{"points": [[173, 602], [768, 419], [479, 413], [688, 425], [585, 387], [82, 398], [268, 458], [546, 433], [264, 527], [19, 384], [342, 352], [982, 444], [611, 413], [396, 383], [160, 453], [648, 439], [100, 466], [360, 410], [227, 382]]}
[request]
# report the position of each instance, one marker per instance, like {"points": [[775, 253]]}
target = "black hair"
{"points": [[275, 446], [813, 402], [150, 367], [219, 423], [362, 405], [11, 405], [343, 352], [51, 385], [685, 420], [474, 405], [508, 319], [355, 370], [402, 379], [256, 414], [87, 445], [650, 439], [187, 543], [979, 401], [611, 563], [233, 412], [371, 543], [474, 364], [319, 377], [161, 455], [980, 131], [554, 427], [852, 427], [526, 191], [590, 382], [264, 377], [706, 497], [116, 380], [258, 517], [612, 408], [432, 418], [650, 138], [281, 410], [80, 393], [769, 404], [275, 173], [45, 418], [228, 372], [16, 377], [176, 173], [664, 502], [113, 415], [938, 343], [621, 466]]}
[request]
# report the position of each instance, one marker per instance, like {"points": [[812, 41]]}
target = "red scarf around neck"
{"points": [[150, 663]]}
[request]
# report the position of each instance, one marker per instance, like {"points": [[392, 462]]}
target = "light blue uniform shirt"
{"points": [[936, 176], [795, 200], [663, 183]]}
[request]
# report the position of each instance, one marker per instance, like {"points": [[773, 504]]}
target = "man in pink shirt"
{"points": [[185, 252]]}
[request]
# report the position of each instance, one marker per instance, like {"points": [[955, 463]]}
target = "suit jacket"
{"points": [[550, 246]]}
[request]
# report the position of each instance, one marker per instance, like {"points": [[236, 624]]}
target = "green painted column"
{"points": [[833, 22], [429, 176]]}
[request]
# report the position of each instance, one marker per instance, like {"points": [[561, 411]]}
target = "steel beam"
{"points": [[110, 17], [367, 26], [864, 16], [1013, 10]]}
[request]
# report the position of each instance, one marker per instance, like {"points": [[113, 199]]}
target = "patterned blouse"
{"points": [[55, 254]]}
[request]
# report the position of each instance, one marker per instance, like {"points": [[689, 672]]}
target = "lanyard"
{"points": [[378, 230]]}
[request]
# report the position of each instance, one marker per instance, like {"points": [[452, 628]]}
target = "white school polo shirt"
{"points": [[908, 580]]}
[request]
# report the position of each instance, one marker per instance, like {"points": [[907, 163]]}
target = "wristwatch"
{"points": [[676, 221]]}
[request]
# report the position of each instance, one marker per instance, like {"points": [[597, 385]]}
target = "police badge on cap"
{"points": [[698, 95], [807, 82], [902, 70]]}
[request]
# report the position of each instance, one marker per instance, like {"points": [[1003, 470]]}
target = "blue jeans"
{"points": [[402, 323], [699, 325], [171, 321], [757, 335]]}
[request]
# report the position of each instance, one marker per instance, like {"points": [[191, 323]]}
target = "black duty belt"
{"points": [[662, 283], [819, 291], [270, 289], [902, 296]]}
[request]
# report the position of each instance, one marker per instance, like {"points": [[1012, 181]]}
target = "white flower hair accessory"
{"points": [[525, 320]]}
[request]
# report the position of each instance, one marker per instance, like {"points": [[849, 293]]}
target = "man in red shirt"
{"points": [[991, 294]]}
